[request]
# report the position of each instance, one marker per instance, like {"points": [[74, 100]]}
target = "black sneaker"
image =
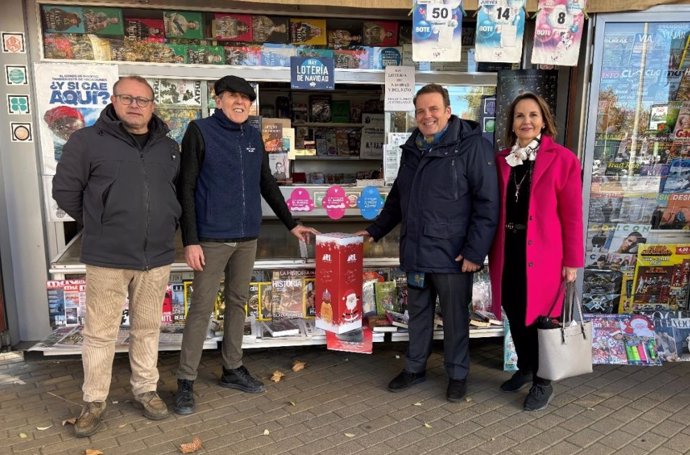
{"points": [[406, 379], [184, 398], [239, 378], [457, 388], [517, 382], [539, 397]]}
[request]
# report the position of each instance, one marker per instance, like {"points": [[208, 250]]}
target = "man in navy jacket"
{"points": [[446, 198], [224, 173]]}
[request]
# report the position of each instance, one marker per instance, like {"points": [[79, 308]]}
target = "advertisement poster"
{"points": [[500, 28], [510, 84], [558, 32], [69, 97], [436, 31], [312, 73]]}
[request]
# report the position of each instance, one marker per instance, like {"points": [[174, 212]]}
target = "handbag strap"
{"points": [[553, 305]]}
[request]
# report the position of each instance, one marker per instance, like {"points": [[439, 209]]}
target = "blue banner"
{"points": [[312, 73]]}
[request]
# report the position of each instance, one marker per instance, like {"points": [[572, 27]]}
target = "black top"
{"points": [[516, 210]]}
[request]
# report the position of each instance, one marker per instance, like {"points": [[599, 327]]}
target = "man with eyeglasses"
{"points": [[117, 180], [225, 172]]}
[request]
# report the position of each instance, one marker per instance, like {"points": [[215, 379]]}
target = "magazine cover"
{"points": [[601, 289], [287, 293], [308, 31], [380, 33], [277, 54], [103, 21], [183, 24], [676, 215], [177, 92], [309, 297], [152, 30], [270, 29], [661, 277], [386, 296], [608, 347], [252, 307], [232, 27], [205, 55], [344, 33], [265, 298], [66, 301], [62, 19], [272, 135], [672, 334], [243, 55], [177, 290], [177, 119], [618, 336], [627, 238], [678, 178], [357, 58]]}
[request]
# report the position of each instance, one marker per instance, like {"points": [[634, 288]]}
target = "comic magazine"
{"points": [[661, 277], [623, 336]]}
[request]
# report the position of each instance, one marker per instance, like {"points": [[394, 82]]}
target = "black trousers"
{"points": [[514, 302], [454, 291]]}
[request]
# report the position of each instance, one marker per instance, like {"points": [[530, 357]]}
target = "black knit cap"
{"points": [[234, 84]]}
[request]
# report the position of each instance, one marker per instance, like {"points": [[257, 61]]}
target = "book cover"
{"points": [[380, 33], [358, 341], [272, 135], [281, 327], [62, 19], [232, 27], [320, 110], [270, 29], [385, 297], [340, 111], [280, 166], [380, 324], [243, 55], [398, 319], [151, 30], [183, 24], [672, 335], [381, 57], [308, 31], [344, 33], [67, 47], [177, 92], [103, 21]]}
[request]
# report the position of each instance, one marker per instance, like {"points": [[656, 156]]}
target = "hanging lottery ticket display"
{"points": [[436, 32], [500, 27], [558, 32]]}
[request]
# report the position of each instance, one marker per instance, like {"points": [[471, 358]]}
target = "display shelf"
{"points": [[475, 332], [327, 125], [332, 158]]}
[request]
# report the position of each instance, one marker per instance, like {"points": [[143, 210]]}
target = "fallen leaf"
{"points": [[92, 452], [292, 403], [71, 421], [417, 404], [44, 428], [298, 365], [23, 435], [115, 402], [277, 376], [468, 399], [427, 425], [266, 432], [122, 426], [191, 447], [349, 435]]}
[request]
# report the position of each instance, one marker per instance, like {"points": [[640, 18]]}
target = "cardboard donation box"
{"points": [[339, 282]]}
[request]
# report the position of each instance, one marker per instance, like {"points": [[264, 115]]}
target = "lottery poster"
{"points": [[500, 28], [558, 32], [437, 28]]}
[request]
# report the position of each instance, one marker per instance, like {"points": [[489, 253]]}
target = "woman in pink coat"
{"points": [[539, 242]]}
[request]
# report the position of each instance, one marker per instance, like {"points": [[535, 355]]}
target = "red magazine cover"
{"points": [[359, 341]]}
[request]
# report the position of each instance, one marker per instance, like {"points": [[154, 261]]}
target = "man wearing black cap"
{"points": [[224, 173]]}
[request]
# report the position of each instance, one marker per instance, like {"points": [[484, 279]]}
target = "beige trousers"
{"points": [[106, 293]]}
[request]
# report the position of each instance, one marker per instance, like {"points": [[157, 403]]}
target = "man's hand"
{"points": [[467, 266], [303, 232], [194, 256], [366, 235]]}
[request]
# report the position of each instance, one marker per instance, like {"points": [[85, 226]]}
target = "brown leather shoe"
{"points": [[154, 407], [89, 421]]}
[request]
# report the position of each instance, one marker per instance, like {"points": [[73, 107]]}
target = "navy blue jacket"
{"points": [[224, 173], [447, 201], [123, 194]]}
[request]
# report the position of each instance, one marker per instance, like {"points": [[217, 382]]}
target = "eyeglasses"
{"points": [[128, 99]]}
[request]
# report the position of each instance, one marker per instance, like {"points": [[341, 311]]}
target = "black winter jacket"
{"points": [[446, 199], [123, 195]]}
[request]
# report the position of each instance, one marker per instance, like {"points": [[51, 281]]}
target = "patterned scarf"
{"points": [[425, 143], [519, 154]]}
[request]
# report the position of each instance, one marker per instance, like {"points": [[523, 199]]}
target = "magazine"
{"points": [[672, 333]]}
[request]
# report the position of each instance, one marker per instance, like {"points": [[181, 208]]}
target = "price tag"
{"points": [[438, 12]]}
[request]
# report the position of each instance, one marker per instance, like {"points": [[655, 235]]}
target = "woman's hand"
{"points": [[569, 274]]}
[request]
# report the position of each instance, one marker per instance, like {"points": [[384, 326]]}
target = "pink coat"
{"points": [[554, 228]]}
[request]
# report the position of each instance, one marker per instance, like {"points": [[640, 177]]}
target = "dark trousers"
{"points": [[454, 291]]}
